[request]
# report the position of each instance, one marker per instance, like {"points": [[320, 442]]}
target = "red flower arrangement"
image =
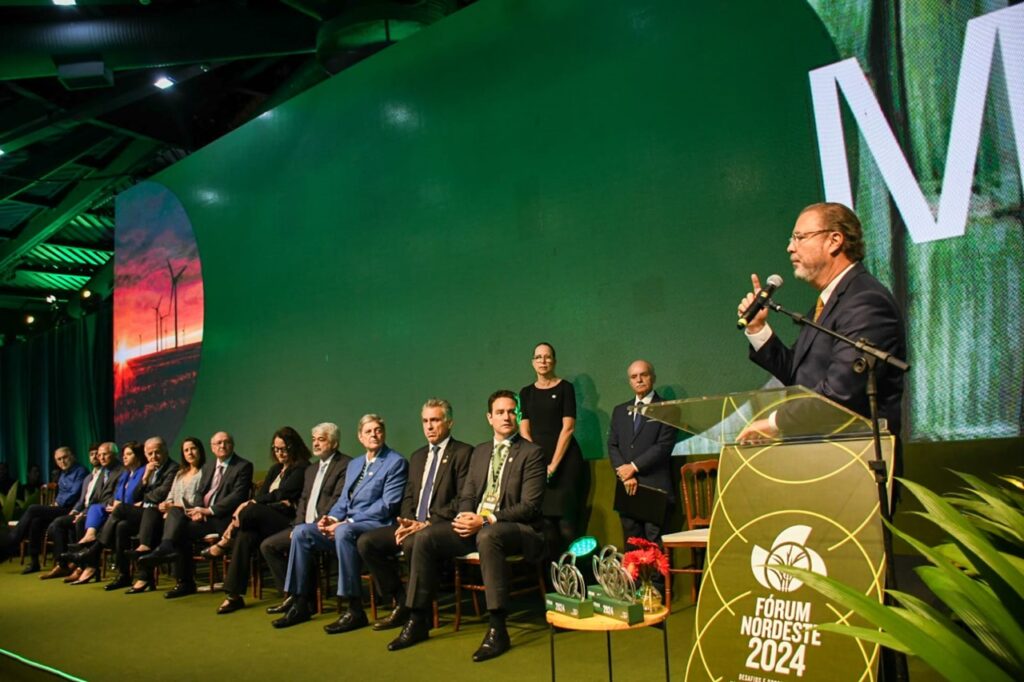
{"points": [[645, 560]]}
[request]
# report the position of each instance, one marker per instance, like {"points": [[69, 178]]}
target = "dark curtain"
{"points": [[56, 389]]}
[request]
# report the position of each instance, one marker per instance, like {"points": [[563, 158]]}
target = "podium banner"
{"points": [[811, 505]]}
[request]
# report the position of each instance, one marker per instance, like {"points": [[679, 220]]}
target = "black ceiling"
{"points": [[81, 118]]}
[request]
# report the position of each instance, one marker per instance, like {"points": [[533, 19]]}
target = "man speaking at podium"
{"points": [[826, 249]]}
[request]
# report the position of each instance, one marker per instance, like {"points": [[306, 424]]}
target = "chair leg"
{"points": [[458, 596], [437, 617], [668, 582]]}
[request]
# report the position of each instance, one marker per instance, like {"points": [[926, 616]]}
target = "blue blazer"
{"points": [[379, 494], [128, 489]]}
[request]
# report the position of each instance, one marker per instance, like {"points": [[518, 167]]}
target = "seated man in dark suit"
{"points": [[436, 474], [320, 490], [370, 499], [34, 520], [226, 483], [499, 515]]}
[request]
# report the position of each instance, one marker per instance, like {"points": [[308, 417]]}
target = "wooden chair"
{"points": [[473, 559], [698, 483], [47, 498]]}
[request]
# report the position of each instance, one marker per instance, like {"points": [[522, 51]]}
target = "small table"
{"points": [[596, 623]]}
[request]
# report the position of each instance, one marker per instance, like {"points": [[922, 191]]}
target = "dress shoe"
{"points": [[413, 632], [31, 568], [496, 642], [395, 619], [118, 583], [57, 571], [75, 575], [348, 621], [78, 558], [156, 556], [139, 590], [86, 579], [280, 608], [182, 589], [298, 613], [231, 604]]}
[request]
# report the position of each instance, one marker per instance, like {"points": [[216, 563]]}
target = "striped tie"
{"points": [[818, 307]]}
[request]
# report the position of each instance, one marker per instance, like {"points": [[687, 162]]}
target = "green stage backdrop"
{"points": [[600, 175]]}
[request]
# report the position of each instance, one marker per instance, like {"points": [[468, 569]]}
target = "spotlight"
{"points": [[30, 319], [51, 299], [2, 152], [583, 546], [163, 82], [86, 293], [64, 3]]}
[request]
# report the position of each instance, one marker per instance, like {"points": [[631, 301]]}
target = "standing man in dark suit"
{"points": [[499, 516], [640, 451], [34, 520], [320, 490], [826, 249], [436, 474], [370, 499], [226, 483]]}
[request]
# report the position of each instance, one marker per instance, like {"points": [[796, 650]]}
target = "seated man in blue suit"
{"points": [[374, 484]]}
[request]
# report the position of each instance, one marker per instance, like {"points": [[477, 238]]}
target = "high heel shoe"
{"points": [[75, 575], [118, 583], [151, 585], [94, 577], [215, 551]]}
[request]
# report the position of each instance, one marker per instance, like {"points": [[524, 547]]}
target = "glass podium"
{"points": [[806, 498]]}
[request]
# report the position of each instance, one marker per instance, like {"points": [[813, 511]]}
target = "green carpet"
{"points": [[111, 636]]}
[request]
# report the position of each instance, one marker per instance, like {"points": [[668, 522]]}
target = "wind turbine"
{"points": [[174, 295], [156, 312]]}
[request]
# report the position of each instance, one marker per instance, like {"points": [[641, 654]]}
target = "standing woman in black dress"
{"points": [[548, 408]]}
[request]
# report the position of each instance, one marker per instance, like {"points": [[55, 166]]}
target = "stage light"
{"points": [[2, 152], [86, 293], [51, 299], [30, 319], [64, 3], [163, 82], [583, 546]]}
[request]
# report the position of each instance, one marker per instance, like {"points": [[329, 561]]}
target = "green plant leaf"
{"points": [[941, 648], [952, 552], [982, 488], [866, 634], [10, 502], [983, 555]]}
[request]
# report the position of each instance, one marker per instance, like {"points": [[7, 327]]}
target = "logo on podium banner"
{"points": [[789, 549]]}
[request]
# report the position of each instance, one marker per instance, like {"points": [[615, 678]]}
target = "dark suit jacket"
{"points": [[379, 494], [330, 489], [104, 492], [235, 486], [650, 448], [860, 307], [290, 488], [522, 482], [82, 503], [155, 491], [451, 475]]}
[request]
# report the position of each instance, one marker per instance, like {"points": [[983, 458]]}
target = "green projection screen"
{"points": [[600, 175]]}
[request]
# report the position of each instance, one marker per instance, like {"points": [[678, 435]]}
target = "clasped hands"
{"points": [[627, 474], [407, 527], [467, 524]]}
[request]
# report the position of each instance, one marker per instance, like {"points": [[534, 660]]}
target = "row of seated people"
{"points": [[447, 500]]}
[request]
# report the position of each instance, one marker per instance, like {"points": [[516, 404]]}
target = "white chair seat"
{"points": [[696, 535], [472, 556]]}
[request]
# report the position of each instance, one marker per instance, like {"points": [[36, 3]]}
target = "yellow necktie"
{"points": [[818, 308]]}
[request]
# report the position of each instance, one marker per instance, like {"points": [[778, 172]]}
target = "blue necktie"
{"points": [[428, 488]]}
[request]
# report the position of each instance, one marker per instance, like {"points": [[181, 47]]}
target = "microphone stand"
{"points": [[894, 665]]}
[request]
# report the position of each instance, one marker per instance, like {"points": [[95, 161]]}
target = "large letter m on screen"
{"points": [[1005, 28]]}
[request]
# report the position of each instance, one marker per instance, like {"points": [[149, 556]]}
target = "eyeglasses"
{"points": [[798, 237], [277, 449], [542, 357]]}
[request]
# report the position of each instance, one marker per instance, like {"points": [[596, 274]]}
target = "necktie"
{"points": [[636, 416], [818, 307], [428, 487], [92, 487], [218, 474], [362, 475], [314, 494]]}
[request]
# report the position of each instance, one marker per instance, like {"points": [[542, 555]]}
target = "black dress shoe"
{"points": [[118, 583], [180, 590], [78, 558], [231, 604], [31, 568], [396, 619], [156, 556], [139, 590], [348, 621], [298, 613], [280, 608], [496, 642], [413, 632]]}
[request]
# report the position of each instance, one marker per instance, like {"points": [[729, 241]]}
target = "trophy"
{"points": [[615, 594], [570, 589]]}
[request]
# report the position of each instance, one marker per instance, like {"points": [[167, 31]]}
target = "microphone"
{"points": [[774, 282]]}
